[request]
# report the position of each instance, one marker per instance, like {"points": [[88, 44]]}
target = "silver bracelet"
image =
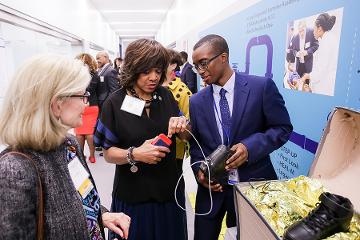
{"points": [[131, 161]]}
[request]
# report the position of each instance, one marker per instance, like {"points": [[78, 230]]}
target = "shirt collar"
{"points": [[229, 85], [103, 67]]}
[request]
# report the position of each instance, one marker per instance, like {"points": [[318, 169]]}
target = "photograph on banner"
{"points": [[312, 50]]}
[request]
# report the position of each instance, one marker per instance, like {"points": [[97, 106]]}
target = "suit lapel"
{"points": [[102, 72], [208, 102], [241, 92]]}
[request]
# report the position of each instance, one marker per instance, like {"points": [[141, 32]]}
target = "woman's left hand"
{"points": [[118, 223], [176, 125]]}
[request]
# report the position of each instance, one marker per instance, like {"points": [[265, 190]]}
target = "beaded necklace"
{"points": [[147, 101]]}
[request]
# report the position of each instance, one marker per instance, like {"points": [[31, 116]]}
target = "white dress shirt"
{"points": [[229, 87]]}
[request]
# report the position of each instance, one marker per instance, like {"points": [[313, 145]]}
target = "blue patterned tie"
{"points": [[225, 116]]}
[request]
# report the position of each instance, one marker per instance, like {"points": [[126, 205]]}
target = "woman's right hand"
{"points": [[149, 153]]}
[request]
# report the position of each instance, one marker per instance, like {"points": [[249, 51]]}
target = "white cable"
{"points": [[209, 177], [211, 200], [202, 152]]}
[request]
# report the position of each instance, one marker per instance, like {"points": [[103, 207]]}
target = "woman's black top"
{"points": [[152, 182], [93, 101]]}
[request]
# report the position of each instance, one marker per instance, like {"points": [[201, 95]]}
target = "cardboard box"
{"points": [[336, 165]]}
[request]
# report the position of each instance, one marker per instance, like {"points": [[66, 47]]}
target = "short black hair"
{"points": [[175, 57], [218, 43], [184, 56], [325, 21]]}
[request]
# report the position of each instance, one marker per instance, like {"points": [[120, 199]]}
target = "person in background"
{"points": [[90, 115], [146, 174], [108, 81], [181, 94], [117, 64], [187, 74], [245, 113], [322, 78], [303, 46], [47, 97], [108, 78]]}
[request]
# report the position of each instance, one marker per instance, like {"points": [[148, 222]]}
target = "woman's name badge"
{"points": [[85, 188], [78, 173], [133, 105]]}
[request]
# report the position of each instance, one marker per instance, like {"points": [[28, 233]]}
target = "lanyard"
{"points": [[227, 133]]}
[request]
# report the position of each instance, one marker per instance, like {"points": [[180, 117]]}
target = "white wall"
{"points": [[184, 21], [78, 17]]}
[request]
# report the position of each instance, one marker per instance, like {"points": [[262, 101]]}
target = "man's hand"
{"points": [[238, 158], [205, 182]]}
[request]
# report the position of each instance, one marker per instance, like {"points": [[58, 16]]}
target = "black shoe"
{"points": [[333, 214], [98, 149]]}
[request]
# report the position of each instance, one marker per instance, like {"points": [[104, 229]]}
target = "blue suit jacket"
{"points": [[259, 120], [189, 77], [311, 45]]}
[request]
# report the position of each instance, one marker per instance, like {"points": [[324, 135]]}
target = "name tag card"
{"points": [[77, 172], [133, 105]]}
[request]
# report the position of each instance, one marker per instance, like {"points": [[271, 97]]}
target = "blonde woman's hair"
{"points": [[26, 119]]}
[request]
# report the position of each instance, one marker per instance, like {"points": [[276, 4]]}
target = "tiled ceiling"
{"points": [[133, 18]]}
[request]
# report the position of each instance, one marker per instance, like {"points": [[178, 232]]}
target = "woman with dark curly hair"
{"points": [[322, 78], [146, 174]]}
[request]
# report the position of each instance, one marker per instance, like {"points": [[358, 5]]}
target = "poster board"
{"points": [[269, 23]]}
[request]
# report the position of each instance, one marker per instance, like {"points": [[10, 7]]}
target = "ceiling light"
{"points": [[136, 30], [135, 11], [149, 22]]}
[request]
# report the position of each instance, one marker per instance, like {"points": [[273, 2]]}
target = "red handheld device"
{"points": [[162, 140]]}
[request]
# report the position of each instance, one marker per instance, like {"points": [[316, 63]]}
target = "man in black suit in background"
{"points": [[108, 77], [187, 74], [107, 83]]}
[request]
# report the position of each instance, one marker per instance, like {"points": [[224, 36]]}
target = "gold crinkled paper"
{"points": [[284, 202]]}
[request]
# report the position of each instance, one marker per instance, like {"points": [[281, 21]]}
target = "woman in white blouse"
{"points": [[322, 78]]}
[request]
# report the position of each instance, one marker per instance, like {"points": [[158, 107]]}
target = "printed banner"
{"points": [[314, 68]]}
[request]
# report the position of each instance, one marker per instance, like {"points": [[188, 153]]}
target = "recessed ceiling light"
{"points": [[143, 22], [135, 30], [135, 11]]}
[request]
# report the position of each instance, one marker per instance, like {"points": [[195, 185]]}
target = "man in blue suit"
{"points": [[187, 74], [245, 112], [302, 47]]}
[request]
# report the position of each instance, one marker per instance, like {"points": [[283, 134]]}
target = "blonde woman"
{"points": [[46, 98]]}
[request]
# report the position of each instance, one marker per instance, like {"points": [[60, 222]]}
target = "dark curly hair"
{"points": [[325, 21], [140, 56]]}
